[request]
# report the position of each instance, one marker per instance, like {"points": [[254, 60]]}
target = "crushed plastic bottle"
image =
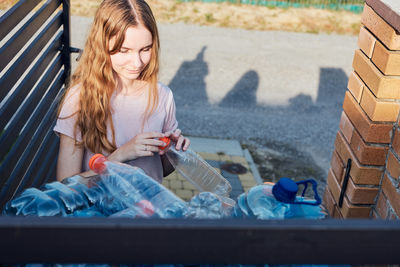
{"points": [[196, 170], [118, 190], [67, 197], [33, 201], [131, 187], [207, 205], [279, 201], [53, 199], [142, 209]]}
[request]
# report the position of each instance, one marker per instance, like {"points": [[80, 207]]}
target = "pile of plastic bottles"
{"points": [[120, 190], [279, 201]]}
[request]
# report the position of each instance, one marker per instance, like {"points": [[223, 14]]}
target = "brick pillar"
{"points": [[369, 130]]}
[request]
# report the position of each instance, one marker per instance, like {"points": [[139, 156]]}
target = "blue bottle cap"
{"points": [[285, 190]]}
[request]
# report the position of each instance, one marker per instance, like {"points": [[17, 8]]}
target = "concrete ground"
{"points": [[276, 93]]}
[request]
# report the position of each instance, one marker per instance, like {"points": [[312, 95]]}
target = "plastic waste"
{"points": [[53, 199], [121, 190], [196, 170], [33, 201], [207, 205], [242, 210], [279, 201], [136, 191], [118, 190], [142, 209]]}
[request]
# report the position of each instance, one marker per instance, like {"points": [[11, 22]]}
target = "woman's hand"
{"points": [[142, 145], [181, 141]]}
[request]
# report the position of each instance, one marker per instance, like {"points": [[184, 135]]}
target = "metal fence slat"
{"points": [[44, 157], [10, 135], [14, 15], [18, 95], [50, 174], [18, 159], [25, 59], [21, 37]]}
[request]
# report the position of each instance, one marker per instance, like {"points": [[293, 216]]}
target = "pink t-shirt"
{"points": [[127, 116]]}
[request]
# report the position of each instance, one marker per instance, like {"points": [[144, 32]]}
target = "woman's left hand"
{"points": [[180, 141]]}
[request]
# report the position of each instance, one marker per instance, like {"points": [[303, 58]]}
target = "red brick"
{"points": [[368, 175], [361, 194], [392, 193], [346, 127], [354, 211], [382, 86], [380, 28], [348, 210], [368, 154], [357, 194], [337, 166], [393, 166], [381, 207], [337, 213], [333, 185], [386, 60], [396, 142], [366, 41], [387, 10], [371, 132], [377, 109], [329, 202], [355, 86]]}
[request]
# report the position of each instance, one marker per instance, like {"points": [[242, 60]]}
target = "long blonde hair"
{"points": [[94, 74]]}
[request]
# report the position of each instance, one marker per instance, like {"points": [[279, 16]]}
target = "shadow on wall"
{"points": [[331, 89]]}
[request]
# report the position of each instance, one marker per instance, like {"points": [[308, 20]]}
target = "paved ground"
{"points": [[275, 92]]}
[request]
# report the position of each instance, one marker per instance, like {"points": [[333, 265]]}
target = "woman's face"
{"points": [[134, 55]]}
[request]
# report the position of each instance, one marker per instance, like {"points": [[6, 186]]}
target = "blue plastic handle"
{"points": [[314, 187]]}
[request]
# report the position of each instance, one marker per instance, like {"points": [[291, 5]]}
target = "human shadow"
{"points": [[331, 89], [189, 84], [243, 92], [303, 130]]}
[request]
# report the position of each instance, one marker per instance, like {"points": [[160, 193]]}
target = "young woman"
{"points": [[114, 104]]}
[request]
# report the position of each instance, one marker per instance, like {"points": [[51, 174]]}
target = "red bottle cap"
{"points": [[96, 163], [166, 140], [146, 207]]}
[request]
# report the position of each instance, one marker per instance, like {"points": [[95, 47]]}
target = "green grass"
{"points": [[355, 6]]}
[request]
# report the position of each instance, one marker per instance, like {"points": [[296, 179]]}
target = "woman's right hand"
{"points": [[142, 145]]}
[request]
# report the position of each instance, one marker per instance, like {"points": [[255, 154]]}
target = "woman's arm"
{"points": [[70, 156], [70, 159]]}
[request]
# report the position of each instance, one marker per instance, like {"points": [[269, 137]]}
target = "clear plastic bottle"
{"points": [[207, 205], [133, 188], [196, 170], [52, 199], [279, 201], [263, 203], [33, 201], [119, 190]]}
